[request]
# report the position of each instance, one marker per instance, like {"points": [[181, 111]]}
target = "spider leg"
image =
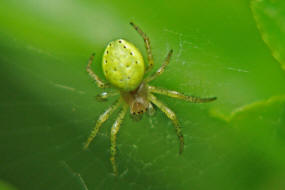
{"points": [[105, 95], [171, 115], [103, 117], [161, 69], [114, 132], [147, 46], [179, 95], [98, 81]]}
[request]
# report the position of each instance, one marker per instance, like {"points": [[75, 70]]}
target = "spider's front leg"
{"points": [[101, 120], [98, 81], [171, 115], [114, 132]]}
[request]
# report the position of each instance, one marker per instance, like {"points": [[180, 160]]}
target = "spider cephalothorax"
{"points": [[124, 68]]}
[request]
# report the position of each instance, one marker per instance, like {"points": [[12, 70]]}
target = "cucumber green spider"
{"points": [[124, 69]]}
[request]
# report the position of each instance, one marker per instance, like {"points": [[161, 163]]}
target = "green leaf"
{"points": [[48, 102]]}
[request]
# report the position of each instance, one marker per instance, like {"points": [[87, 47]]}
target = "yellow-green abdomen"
{"points": [[123, 65]]}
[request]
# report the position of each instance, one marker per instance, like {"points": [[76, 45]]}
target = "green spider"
{"points": [[124, 68]]}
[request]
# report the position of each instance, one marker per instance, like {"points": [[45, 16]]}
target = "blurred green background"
{"points": [[232, 49]]}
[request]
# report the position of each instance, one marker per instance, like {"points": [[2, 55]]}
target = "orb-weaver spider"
{"points": [[124, 69]]}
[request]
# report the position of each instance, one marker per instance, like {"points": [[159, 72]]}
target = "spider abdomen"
{"points": [[123, 65]]}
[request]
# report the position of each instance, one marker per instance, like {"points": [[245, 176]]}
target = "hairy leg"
{"points": [[147, 46], [101, 120], [178, 95], [98, 81], [171, 115], [161, 69], [114, 132]]}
